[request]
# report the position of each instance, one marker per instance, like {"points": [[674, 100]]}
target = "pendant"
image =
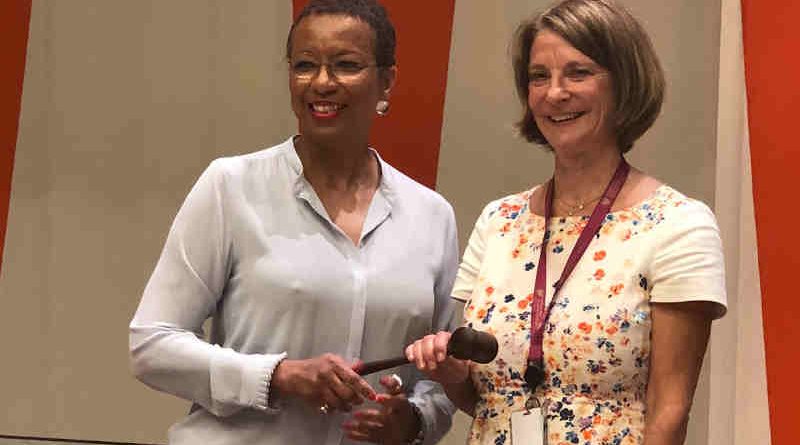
{"points": [[534, 375]]}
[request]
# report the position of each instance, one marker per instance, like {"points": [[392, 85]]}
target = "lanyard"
{"points": [[534, 375]]}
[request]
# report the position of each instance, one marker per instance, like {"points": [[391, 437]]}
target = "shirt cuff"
{"points": [[436, 413], [262, 401]]}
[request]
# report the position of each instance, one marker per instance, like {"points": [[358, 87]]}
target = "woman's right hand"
{"points": [[323, 381], [430, 355]]}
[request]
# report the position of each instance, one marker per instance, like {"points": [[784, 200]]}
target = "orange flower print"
{"points": [[611, 330], [585, 327], [489, 290], [522, 304], [599, 274], [481, 313], [617, 288], [599, 255]]}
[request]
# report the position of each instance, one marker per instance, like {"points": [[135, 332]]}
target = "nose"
{"points": [[324, 79], [556, 90]]}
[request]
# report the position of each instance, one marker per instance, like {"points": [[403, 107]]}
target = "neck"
{"points": [[583, 178], [338, 166]]}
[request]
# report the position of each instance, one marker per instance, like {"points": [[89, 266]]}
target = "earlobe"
{"points": [[389, 80]]}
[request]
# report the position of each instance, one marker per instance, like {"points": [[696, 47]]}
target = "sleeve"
{"points": [[472, 260], [435, 408], [167, 351], [688, 263]]}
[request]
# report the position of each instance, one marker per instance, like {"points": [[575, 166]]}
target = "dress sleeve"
{"points": [[688, 263], [167, 349], [472, 260]]}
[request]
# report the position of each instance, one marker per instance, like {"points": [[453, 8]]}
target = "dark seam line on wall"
{"points": [[53, 439]]}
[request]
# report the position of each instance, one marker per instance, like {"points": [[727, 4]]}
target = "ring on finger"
{"points": [[324, 408], [397, 379]]}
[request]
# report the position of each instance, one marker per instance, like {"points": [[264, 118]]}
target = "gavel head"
{"points": [[469, 344]]}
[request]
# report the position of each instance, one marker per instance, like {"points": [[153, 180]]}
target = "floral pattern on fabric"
{"points": [[596, 342]]}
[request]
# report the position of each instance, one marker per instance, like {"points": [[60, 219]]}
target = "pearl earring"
{"points": [[382, 107]]}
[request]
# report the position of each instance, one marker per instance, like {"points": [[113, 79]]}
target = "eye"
{"points": [[579, 73], [347, 67], [538, 77], [304, 67]]}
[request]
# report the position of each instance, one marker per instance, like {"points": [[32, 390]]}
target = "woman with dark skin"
{"points": [[309, 257]]}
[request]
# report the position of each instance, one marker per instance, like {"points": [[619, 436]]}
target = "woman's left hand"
{"points": [[393, 423]]}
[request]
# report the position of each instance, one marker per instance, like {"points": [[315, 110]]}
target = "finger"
{"points": [[369, 415], [391, 403], [440, 342], [410, 353], [371, 427], [329, 398], [355, 430], [393, 383], [419, 358], [363, 435], [429, 352], [369, 423], [366, 425], [359, 387], [342, 393], [359, 436]]}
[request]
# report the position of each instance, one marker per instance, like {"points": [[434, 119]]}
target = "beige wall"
{"points": [[124, 103], [481, 159]]}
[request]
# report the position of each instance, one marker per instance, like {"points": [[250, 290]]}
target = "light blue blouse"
{"points": [[253, 247]]}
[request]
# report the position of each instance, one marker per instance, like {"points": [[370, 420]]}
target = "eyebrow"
{"points": [[341, 53], [569, 65]]}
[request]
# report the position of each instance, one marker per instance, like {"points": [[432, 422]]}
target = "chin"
{"points": [[322, 135]]}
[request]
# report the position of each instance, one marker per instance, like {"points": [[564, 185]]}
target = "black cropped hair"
{"points": [[368, 11]]}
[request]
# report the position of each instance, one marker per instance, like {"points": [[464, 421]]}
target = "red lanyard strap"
{"points": [[539, 315]]}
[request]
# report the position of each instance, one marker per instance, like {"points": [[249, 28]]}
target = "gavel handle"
{"points": [[379, 365]]}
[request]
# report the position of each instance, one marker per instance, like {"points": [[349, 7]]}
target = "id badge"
{"points": [[528, 427]]}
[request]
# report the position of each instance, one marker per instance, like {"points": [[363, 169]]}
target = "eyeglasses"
{"points": [[341, 70]]}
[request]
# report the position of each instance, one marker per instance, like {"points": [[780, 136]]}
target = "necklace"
{"points": [[572, 209]]}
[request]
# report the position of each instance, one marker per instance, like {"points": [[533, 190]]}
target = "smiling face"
{"points": [[335, 108], [570, 96]]}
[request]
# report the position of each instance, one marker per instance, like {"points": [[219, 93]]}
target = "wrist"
{"points": [[273, 392], [457, 385], [416, 434], [281, 378]]}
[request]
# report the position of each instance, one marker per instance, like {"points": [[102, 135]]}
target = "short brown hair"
{"points": [[608, 34]]}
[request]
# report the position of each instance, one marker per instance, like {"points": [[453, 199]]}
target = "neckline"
{"points": [[653, 195]]}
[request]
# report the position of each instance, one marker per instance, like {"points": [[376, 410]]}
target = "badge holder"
{"points": [[528, 426]]}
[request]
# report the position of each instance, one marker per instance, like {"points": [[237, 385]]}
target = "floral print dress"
{"points": [[597, 340]]}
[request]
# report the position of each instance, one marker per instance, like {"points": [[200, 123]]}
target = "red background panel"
{"points": [[772, 68], [14, 20], [410, 136]]}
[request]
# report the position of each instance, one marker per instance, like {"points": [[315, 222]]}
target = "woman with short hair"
{"points": [[308, 256], [601, 283]]}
